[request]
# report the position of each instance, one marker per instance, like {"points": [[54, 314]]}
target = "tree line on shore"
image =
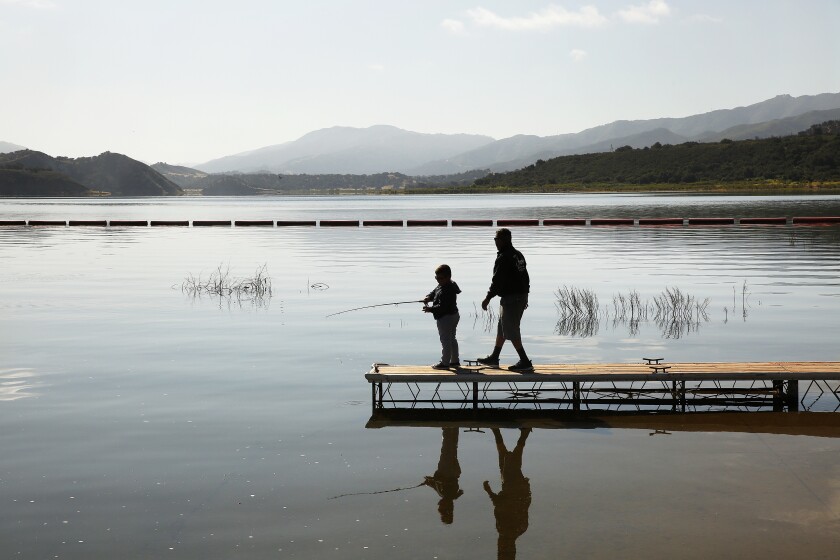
{"points": [[810, 156]]}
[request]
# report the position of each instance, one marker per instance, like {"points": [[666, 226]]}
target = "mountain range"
{"points": [[356, 151], [386, 148], [392, 156]]}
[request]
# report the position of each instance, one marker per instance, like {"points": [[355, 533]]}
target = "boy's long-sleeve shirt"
{"points": [[444, 299]]}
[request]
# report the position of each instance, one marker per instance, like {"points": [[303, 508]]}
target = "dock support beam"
{"points": [[475, 395], [792, 395], [779, 395], [786, 395], [372, 398]]}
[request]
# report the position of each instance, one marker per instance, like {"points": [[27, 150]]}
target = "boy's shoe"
{"points": [[440, 365], [489, 361], [454, 364], [522, 366]]}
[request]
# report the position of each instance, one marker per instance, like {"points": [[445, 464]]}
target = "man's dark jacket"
{"points": [[510, 274]]}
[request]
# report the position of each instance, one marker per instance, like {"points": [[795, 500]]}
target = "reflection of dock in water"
{"points": [[814, 424], [641, 386]]}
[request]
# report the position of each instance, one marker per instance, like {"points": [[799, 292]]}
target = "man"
{"points": [[512, 284], [511, 504]]}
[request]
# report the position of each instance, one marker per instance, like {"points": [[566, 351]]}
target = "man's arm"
{"points": [[499, 272]]}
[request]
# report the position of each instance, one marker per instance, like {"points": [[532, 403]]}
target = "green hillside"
{"points": [[21, 182], [811, 156], [106, 174]]}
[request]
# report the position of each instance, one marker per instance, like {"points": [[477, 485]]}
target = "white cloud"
{"points": [[704, 18], [37, 4], [577, 55], [376, 67], [651, 12], [453, 25], [552, 16]]}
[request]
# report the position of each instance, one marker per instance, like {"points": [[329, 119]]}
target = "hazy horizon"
{"points": [[195, 81]]}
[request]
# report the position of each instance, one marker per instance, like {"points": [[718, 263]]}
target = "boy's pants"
{"points": [[446, 329]]}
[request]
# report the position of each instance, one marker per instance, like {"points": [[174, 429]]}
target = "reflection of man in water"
{"points": [[445, 479], [511, 504]]}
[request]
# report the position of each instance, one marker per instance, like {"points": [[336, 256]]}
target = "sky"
{"points": [[187, 81]]}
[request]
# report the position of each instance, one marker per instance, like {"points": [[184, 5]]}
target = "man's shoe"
{"points": [[489, 361], [522, 366], [455, 364], [440, 365]]}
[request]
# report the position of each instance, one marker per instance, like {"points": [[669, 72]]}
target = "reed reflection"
{"points": [[445, 479], [675, 313]]}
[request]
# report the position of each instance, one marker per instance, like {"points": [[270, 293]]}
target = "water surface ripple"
{"points": [[140, 422]]}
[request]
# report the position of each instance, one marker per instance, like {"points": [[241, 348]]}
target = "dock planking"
{"points": [[683, 371]]}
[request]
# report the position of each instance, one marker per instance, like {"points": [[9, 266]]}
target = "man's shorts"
{"points": [[510, 314]]}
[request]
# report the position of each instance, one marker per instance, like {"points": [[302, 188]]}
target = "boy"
{"points": [[444, 308]]}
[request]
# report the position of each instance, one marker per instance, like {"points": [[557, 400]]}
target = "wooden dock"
{"points": [[649, 383]]}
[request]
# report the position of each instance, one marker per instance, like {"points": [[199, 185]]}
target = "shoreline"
{"points": [[755, 188]]}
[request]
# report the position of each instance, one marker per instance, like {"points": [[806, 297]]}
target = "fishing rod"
{"points": [[380, 491], [377, 305]]}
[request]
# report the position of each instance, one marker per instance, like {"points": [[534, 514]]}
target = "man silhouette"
{"points": [[511, 283], [510, 505]]}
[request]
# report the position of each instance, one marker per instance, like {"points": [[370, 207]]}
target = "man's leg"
{"points": [[516, 309], [493, 358]]}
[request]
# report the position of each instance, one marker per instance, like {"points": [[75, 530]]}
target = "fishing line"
{"points": [[379, 491], [377, 305]]}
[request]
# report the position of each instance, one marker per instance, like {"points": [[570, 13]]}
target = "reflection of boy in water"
{"points": [[445, 479], [511, 504]]}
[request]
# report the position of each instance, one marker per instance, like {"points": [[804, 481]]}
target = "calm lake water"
{"points": [[139, 422]]}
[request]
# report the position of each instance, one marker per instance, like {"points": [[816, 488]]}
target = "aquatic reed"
{"points": [[673, 311], [572, 301], [678, 313], [221, 284], [578, 310], [487, 319]]}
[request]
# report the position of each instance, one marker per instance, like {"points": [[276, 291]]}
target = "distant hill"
{"points": [[265, 183], [20, 182], [107, 173], [639, 140], [6, 147], [813, 155], [184, 177], [513, 153], [777, 127], [248, 184], [343, 150], [178, 173]]}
